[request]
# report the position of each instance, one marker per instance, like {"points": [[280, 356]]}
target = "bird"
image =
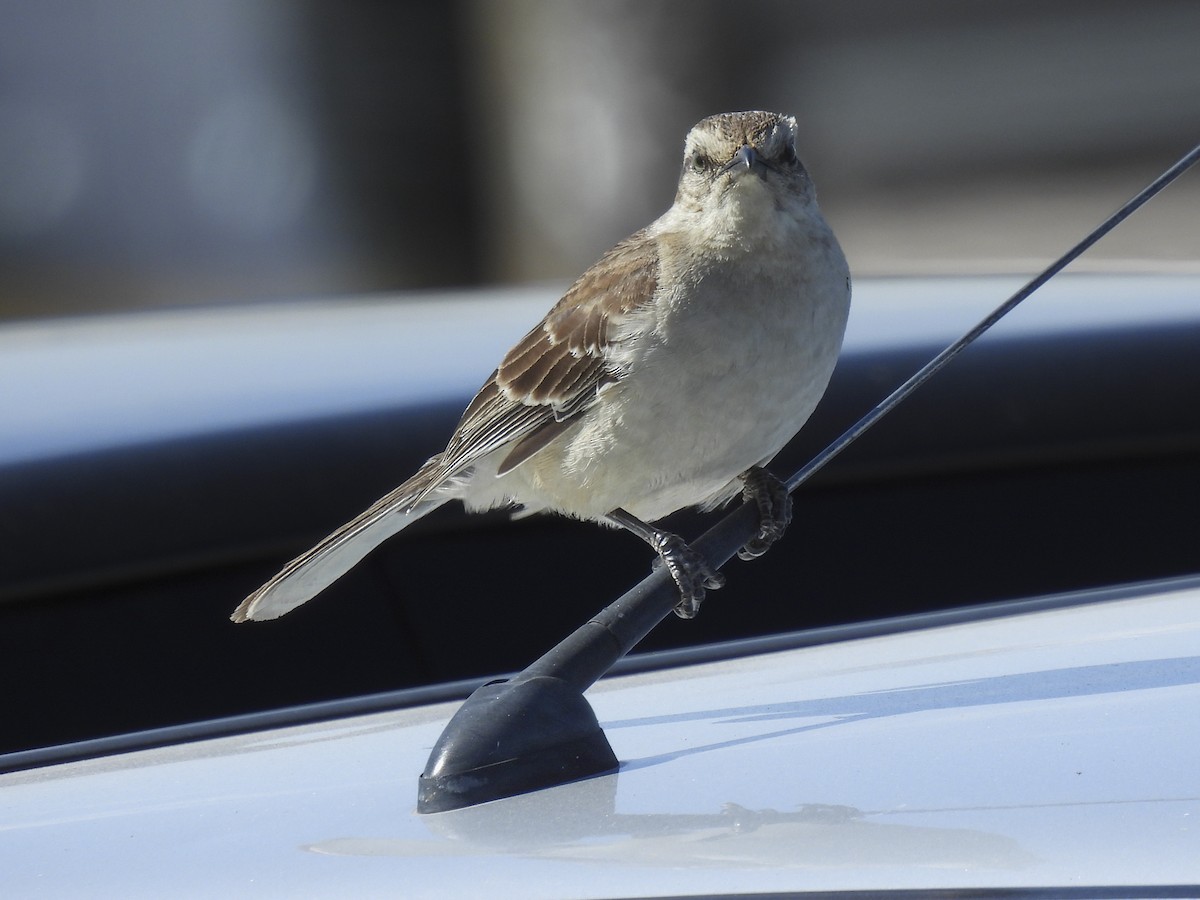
{"points": [[668, 376]]}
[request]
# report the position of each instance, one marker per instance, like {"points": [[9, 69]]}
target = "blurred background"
{"points": [[222, 151]]}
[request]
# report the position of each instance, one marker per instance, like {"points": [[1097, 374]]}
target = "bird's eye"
{"points": [[701, 161], [789, 154]]}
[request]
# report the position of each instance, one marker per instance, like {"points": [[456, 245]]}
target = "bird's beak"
{"points": [[743, 161]]}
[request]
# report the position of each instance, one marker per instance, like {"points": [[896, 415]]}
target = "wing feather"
{"points": [[551, 375], [556, 371]]}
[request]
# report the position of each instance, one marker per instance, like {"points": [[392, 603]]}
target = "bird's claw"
{"points": [[774, 504], [690, 570]]}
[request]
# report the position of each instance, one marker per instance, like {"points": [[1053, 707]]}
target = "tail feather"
{"points": [[314, 570]]}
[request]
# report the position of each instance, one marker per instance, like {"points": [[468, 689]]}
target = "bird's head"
{"points": [[742, 155]]}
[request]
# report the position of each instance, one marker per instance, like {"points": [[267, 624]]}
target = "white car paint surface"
{"points": [[1054, 748], [176, 374]]}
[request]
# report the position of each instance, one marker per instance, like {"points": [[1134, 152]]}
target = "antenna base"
{"points": [[512, 737]]}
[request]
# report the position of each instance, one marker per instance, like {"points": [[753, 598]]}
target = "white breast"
{"points": [[722, 371]]}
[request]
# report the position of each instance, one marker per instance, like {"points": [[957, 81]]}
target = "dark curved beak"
{"points": [[743, 161]]}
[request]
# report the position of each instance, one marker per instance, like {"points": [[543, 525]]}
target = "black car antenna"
{"points": [[536, 730]]}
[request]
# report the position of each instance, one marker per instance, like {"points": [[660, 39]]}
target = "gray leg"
{"points": [[774, 510], [691, 571]]}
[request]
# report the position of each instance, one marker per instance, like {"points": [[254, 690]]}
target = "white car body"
{"points": [[1046, 749], [1045, 746]]}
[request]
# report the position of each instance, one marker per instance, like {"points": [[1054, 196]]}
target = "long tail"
{"points": [[314, 570]]}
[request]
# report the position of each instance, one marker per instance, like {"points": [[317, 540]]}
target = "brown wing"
{"points": [[556, 370]]}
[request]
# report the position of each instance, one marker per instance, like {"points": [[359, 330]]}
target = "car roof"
{"points": [[1041, 749], [183, 373]]}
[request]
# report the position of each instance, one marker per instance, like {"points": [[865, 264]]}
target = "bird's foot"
{"points": [[774, 504], [691, 571]]}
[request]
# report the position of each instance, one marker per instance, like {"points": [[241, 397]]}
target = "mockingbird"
{"points": [[667, 376]]}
